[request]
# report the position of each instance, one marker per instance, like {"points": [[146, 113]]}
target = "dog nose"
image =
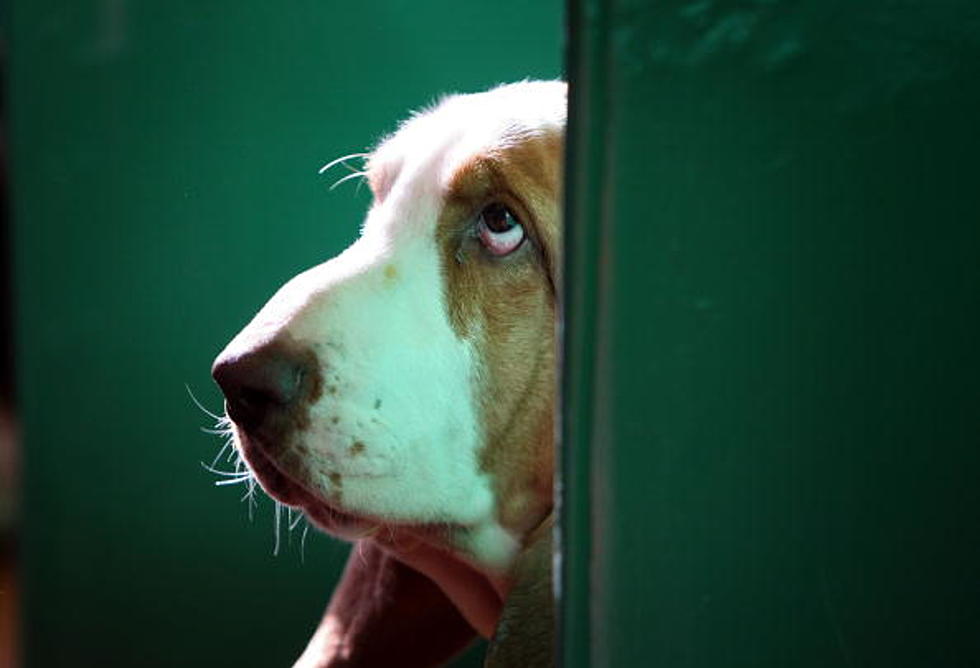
{"points": [[264, 382]]}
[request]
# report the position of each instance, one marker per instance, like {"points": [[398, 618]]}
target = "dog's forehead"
{"points": [[436, 141]]}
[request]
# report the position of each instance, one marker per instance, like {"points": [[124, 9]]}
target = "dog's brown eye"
{"points": [[498, 218], [499, 230]]}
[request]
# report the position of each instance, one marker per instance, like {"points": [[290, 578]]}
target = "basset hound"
{"points": [[402, 394]]}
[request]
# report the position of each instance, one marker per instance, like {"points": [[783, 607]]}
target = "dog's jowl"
{"points": [[402, 393]]}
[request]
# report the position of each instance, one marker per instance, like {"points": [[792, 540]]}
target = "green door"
{"points": [[772, 384]]}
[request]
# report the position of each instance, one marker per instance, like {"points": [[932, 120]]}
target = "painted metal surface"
{"points": [[772, 429]]}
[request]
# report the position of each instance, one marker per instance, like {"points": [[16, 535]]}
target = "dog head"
{"points": [[409, 382]]}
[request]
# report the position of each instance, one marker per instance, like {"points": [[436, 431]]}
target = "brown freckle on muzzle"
{"points": [[336, 480], [391, 275], [357, 448]]}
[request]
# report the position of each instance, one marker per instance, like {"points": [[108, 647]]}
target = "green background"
{"points": [[165, 171]]}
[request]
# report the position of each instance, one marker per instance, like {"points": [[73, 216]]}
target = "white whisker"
{"points": [[278, 521], [353, 175], [341, 160], [249, 497], [232, 481], [221, 419], [226, 474], [214, 462], [302, 544]]}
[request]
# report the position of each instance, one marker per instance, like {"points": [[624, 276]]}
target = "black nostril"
{"points": [[263, 381]]}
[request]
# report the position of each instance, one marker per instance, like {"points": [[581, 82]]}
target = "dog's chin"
{"points": [[286, 490]]}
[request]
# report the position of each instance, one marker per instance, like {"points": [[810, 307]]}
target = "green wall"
{"points": [[165, 172], [772, 392]]}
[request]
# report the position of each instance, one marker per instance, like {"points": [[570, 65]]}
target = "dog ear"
{"points": [[525, 635], [384, 613]]}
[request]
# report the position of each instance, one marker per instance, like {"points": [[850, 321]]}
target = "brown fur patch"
{"points": [[507, 306]]}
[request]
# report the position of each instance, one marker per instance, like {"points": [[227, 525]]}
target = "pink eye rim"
{"points": [[499, 230]]}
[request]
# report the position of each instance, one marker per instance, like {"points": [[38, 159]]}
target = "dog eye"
{"points": [[499, 230]]}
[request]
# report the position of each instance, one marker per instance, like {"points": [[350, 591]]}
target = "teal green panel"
{"points": [[781, 438], [165, 173]]}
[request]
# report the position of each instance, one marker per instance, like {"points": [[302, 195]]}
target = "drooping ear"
{"points": [[525, 635], [384, 613]]}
